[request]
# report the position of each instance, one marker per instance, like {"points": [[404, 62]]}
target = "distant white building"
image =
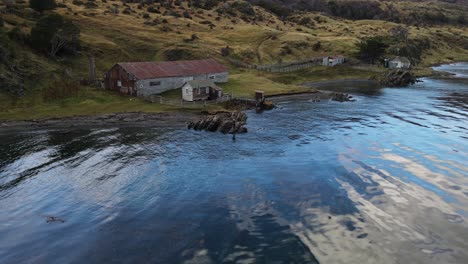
{"points": [[333, 60], [197, 90], [399, 63]]}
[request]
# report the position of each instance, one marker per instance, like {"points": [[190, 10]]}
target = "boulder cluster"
{"points": [[224, 122], [341, 97], [398, 78]]}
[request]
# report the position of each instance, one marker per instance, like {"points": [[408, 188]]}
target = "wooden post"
{"points": [[92, 69]]}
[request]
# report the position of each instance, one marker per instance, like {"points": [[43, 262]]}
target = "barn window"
{"points": [[119, 83], [186, 90], [155, 83], [212, 77]]}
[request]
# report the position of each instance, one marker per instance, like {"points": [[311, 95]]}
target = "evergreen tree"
{"points": [[371, 49]]}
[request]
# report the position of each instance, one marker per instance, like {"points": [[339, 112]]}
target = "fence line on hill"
{"points": [[281, 67]]}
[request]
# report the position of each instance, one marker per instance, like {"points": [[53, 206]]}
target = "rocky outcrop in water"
{"points": [[266, 105], [398, 78], [224, 122], [341, 97]]}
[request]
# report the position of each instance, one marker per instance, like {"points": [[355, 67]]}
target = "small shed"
{"points": [[399, 63], [197, 90], [333, 60]]}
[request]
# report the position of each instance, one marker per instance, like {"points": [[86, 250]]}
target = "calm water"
{"points": [[380, 180]]}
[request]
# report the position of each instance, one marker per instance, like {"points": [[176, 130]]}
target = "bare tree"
{"points": [[65, 37]]}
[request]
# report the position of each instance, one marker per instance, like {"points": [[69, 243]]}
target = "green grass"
{"points": [[322, 73], [175, 94], [244, 84], [91, 102]]}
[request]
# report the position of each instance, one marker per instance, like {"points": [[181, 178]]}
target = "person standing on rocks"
{"points": [[233, 129]]}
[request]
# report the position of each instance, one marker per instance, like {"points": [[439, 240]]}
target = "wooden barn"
{"points": [[148, 78], [197, 90]]}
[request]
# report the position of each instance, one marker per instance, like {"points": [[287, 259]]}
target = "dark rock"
{"points": [[52, 219], [266, 105], [341, 97], [398, 78], [224, 122]]}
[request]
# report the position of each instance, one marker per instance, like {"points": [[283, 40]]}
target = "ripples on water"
{"points": [[379, 180]]}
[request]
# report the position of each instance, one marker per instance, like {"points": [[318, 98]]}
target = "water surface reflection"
{"points": [[379, 180]]}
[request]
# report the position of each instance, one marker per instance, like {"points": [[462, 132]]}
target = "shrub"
{"points": [[91, 4], [165, 29], [127, 11], [461, 20], [78, 2], [279, 10], [42, 5], [152, 9], [205, 4], [226, 51], [17, 35], [60, 89], [206, 22], [178, 54], [355, 9], [317, 46], [286, 50], [244, 8]]}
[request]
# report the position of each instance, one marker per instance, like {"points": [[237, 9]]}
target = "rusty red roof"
{"points": [[161, 69]]}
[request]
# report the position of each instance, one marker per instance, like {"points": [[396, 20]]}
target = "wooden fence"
{"points": [[157, 99], [281, 67]]}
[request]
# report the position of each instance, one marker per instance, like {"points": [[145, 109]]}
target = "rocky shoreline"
{"points": [[398, 78], [224, 122], [168, 119]]}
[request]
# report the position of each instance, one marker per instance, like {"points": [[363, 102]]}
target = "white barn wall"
{"points": [[187, 92], [144, 89]]}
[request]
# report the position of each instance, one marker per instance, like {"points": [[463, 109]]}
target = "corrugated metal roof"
{"points": [[161, 69]]}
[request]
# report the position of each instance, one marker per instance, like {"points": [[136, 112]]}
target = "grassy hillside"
{"points": [[114, 31]]}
